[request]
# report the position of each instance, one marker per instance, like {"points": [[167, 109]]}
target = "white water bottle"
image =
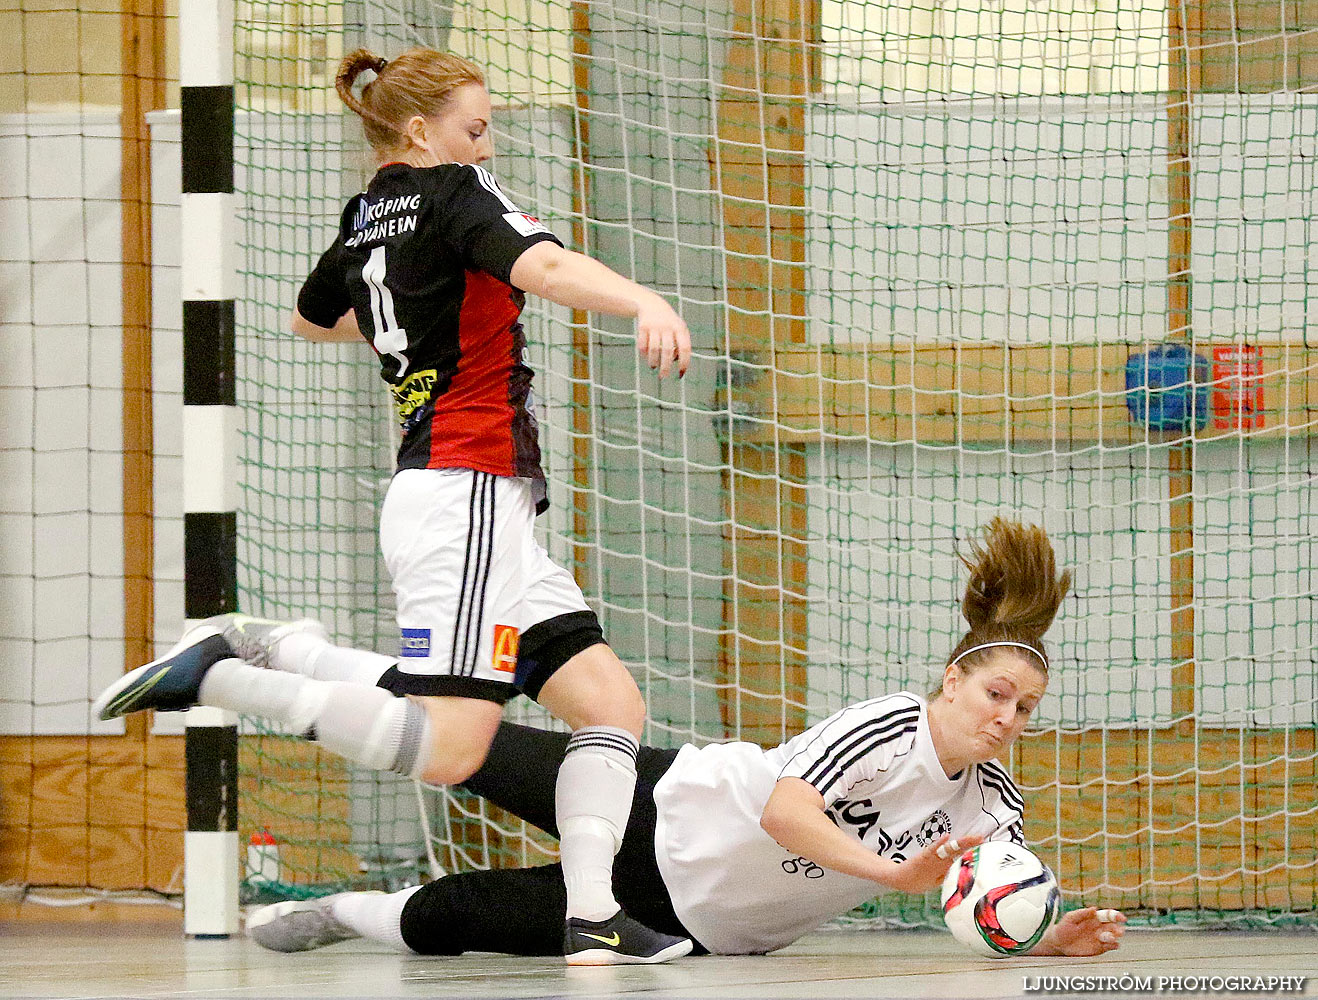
{"points": [[262, 859]]}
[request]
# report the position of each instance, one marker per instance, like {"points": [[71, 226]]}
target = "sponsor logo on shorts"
{"points": [[415, 642], [505, 648], [526, 225]]}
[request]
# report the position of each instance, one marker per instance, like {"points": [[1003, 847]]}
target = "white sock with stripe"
{"points": [[593, 800]]}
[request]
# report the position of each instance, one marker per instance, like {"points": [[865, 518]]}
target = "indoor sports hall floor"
{"points": [[110, 960]]}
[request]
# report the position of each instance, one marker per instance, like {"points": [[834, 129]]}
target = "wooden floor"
{"points": [[127, 960]]}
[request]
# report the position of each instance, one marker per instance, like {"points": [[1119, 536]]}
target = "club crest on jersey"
{"points": [[526, 225], [933, 828], [505, 649], [414, 643]]}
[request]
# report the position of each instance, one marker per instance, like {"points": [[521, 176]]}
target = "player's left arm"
{"points": [[1083, 933], [488, 231], [344, 330], [580, 282]]}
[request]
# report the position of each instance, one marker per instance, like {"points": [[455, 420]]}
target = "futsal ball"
{"points": [[999, 899]]}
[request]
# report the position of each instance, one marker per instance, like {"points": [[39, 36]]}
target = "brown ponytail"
{"points": [[1013, 592], [418, 82]]}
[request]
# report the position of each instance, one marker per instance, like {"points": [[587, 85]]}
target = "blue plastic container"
{"points": [[1167, 388]]}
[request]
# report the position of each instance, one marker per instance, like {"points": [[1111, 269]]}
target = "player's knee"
{"points": [[625, 709], [633, 713], [616, 700], [571, 671], [459, 731]]}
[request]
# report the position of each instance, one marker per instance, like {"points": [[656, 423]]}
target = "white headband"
{"points": [[990, 645]]}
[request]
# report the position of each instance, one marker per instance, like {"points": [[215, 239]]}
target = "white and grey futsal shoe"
{"points": [[298, 925], [255, 639]]}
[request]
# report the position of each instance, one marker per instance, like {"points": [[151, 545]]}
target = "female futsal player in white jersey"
{"points": [[429, 266], [744, 849]]}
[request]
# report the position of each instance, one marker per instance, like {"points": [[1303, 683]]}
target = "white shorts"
{"points": [[470, 580]]}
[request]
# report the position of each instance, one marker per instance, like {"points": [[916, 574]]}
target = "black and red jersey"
{"points": [[423, 257]]}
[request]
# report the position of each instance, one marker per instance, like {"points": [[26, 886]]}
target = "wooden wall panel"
{"points": [[1205, 813], [109, 813], [762, 668], [757, 167], [81, 811], [165, 917], [989, 394], [1256, 46]]}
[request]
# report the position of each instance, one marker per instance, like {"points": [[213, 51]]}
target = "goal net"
{"points": [[941, 261]]}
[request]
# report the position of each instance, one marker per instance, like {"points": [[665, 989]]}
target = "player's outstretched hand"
{"points": [[926, 869], [1082, 933], [662, 337]]}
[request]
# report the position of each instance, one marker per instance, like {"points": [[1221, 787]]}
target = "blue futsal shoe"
{"points": [[169, 684]]}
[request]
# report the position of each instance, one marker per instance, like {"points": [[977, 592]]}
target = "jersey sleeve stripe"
{"points": [[858, 711], [868, 748], [999, 781], [986, 786], [864, 730], [1002, 781], [1003, 785], [858, 742], [488, 182]]}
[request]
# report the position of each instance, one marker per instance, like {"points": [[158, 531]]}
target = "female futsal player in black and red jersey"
{"points": [[430, 266]]}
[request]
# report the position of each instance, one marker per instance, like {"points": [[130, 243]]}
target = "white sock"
{"points": [[586, 851], [241, 687], [592, 800], [307, 653], [375, 916], [363, 723]]}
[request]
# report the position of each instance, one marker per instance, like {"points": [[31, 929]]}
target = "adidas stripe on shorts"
{"points": [[469, 578]]}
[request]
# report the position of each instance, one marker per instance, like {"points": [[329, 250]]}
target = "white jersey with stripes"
{"points": [[738, 892]]}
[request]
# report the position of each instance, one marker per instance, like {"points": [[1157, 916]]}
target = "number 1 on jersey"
{"points": [[390, 338]]}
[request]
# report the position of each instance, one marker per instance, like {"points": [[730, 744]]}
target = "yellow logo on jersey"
{"points": [[413, 392]]}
